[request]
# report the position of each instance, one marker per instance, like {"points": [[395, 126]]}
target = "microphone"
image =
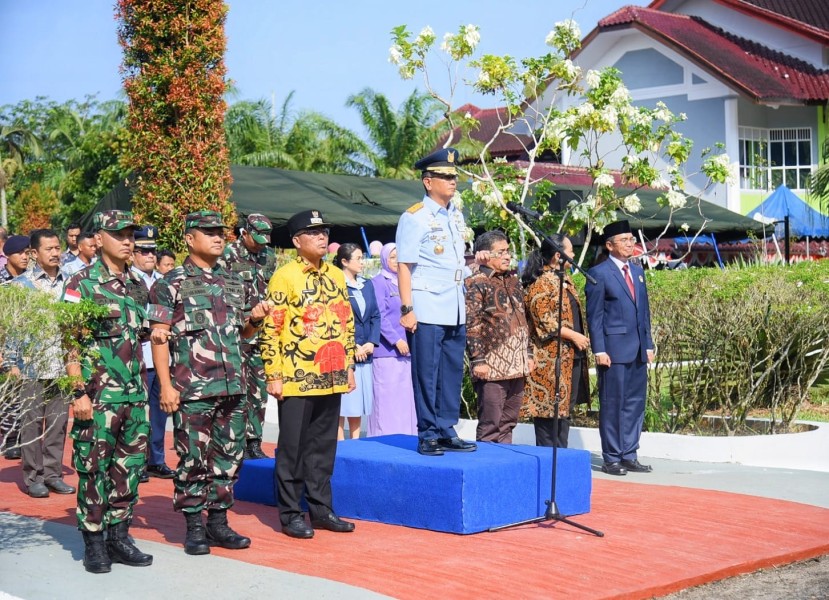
{"points": [[526, 212], [537, 216]]}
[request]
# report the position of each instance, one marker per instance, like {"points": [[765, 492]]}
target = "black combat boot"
{"points": [[195, 543], [122, 550], [254, 449], [95, 557], [220, 534]]}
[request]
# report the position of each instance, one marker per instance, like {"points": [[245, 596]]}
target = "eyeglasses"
{"points": [[443, 176], [625, 240], [315, 232], [500, 253]]}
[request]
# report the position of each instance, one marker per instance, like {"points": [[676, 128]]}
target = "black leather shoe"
{"points": [[160, 471], [614, 468], [12, 454], [38, 490], [634, 466], [298, 528], [59, 486], [429, 448], [144, 477], [456, 444], [332, 522]]}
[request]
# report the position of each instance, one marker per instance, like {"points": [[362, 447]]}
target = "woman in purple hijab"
{"points": [[393, 410]]}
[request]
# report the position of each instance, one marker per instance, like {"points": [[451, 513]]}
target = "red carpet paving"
{"points": [[658, 539]]}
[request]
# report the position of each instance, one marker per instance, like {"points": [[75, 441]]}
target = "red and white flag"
{"points": [[73, 296]]}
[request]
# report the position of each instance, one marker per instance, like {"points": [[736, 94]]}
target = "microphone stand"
{"points": [[552, 513]]}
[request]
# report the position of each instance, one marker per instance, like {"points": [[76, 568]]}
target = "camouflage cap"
{"points": [[204, 219], [259, 227], [112, 220]]}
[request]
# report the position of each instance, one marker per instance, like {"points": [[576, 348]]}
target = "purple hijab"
{"points": [[384, 262]]}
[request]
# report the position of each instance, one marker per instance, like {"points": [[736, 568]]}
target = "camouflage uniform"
{"points": [[256, 270], [206, 313], [110, 448]]}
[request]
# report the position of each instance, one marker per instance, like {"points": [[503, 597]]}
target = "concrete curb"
{"points": [[806, 450]]}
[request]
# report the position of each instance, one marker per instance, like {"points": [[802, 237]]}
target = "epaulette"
{"points": [[414, 208]]}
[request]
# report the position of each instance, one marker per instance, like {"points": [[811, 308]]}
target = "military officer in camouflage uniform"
{"points": [[110, 401], [251, 258], [198, 314]]}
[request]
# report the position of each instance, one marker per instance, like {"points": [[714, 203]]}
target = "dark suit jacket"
{"points": [[367, 325], [618, 325]]}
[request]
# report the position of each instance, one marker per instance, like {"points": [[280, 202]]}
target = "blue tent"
{"points": [[803, 219]]}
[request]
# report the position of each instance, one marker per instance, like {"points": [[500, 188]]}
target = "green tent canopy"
{"points": [[351, 202]]}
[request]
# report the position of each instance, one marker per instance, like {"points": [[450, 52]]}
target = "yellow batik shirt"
{"points": [[308, 339]]}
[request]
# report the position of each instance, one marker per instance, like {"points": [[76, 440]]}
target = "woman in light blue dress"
{"points": [[366, 336]]}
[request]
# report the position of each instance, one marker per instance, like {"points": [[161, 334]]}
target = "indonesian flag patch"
{"points": [[73, 296]]}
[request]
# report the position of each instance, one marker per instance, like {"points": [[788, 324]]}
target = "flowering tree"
{"points": [[174, 78], [550, 106]]}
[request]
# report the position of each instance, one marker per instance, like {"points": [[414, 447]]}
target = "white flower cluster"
{"points": [[604, 180], [571, 26], [483, 78], [447, 37], [571, 71], [395, 55], [631, 203], [471, 35], [685, 227], [426, 36], [662, 113], [484, 192], [676, 199], [620, 96], [593, 79]]}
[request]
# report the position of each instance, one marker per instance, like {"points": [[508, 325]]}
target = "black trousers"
{"points": [[546, 434], [306, 451]]}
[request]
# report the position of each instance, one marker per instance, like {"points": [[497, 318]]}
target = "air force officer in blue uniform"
{"points": [[618, 317], [431, 238]]}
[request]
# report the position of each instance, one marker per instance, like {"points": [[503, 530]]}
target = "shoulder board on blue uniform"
{"points": [[414, 208]]}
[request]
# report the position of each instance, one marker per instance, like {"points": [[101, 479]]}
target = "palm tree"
{"points": [[399, 138], [259, 136], [15, 141]]}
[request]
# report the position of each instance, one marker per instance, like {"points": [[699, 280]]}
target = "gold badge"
{"points": [[438, 249]]}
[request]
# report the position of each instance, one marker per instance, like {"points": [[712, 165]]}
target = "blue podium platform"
{"points": [[384, 479]]}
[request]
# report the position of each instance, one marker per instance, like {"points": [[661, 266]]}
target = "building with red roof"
{"points": [[751, 74]]}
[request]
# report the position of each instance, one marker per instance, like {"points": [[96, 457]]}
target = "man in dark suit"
{"points": [[618, 317]]}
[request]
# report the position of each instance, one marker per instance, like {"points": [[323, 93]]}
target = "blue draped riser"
{"points": [[384, 479]]}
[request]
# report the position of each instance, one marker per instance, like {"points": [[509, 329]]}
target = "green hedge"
{"points": [[729, 341]]}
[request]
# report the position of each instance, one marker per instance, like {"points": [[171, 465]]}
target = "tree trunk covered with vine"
{"points": [[174, 78]]}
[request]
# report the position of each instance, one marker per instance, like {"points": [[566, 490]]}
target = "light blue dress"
{"points": [[358, 403]]}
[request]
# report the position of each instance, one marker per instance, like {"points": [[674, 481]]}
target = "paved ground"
{"points": [[41, 559]]}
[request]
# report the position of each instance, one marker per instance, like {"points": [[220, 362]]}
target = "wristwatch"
{"points": [[405, 309]]}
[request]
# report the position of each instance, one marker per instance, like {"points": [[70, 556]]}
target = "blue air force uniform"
{"points": [[431, 239]]}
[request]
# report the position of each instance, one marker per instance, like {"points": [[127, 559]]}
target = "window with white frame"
{"points": [[771, 157]]}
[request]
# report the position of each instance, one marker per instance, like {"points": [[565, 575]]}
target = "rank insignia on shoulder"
{"points": [[414, 208]]}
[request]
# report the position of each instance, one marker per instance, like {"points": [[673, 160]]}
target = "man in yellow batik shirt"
{"points": [[308, 351]]}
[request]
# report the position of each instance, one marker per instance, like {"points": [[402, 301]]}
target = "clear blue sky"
{"points": [[324, 50]]}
